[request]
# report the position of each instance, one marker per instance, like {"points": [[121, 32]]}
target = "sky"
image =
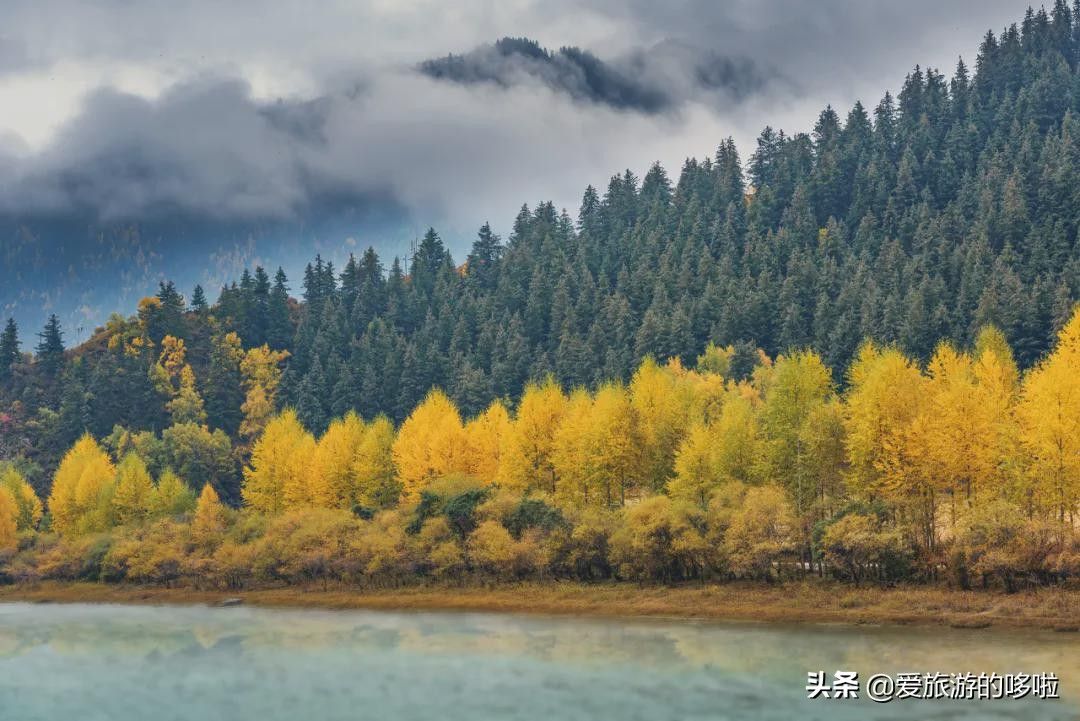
{"points": [[259, 109]]}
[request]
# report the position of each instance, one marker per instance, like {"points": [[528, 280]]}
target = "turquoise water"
{"points": [[140, 663]]}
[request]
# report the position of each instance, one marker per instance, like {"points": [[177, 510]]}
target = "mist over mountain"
{"points": [[189, 155], [658, 79], [83, 269], [206, 179]]}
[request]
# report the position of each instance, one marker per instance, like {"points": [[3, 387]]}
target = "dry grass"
{"points": [[792, 602]]}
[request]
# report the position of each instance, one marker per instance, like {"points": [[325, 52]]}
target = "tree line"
{"points": [[966, 469], [945, 210]]}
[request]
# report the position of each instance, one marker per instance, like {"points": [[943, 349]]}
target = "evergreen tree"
{"points": [[223, 389], [9, 349], [279, 330], [49, 353], [430, 261], [170, 318], [486, 252], [946, 207], [312, 400], [198, 300]]}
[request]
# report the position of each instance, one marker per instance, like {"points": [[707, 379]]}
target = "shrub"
{"points": [[857, 546], [492, 549], [582, 549], [760, 532], [660, 540], [381, 553], [74, 558]]}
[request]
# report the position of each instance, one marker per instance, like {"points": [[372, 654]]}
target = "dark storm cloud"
{"points": [[202, 147], [658, 81], [207, 148], [661, 78], [505, 131], [826, 44], [155, 127]]}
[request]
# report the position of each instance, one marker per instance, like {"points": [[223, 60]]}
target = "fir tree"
{"points": [[9, 349], [49, 353], [198, 300], [279, 330]]}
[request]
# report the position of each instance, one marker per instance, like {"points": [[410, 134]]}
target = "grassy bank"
{"points": [[806, 602]]}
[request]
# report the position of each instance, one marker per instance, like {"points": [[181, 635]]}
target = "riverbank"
{"points": [[1057, 609]]}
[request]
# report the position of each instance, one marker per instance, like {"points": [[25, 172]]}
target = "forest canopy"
{"points": [[967, 467], [858, 336]]}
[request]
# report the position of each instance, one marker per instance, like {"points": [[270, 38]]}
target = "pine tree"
{"points": [[171, 313], [9, 349], [279, 330], [223, 389], [50, 348], [198, 300], [311, 404], [430, 261], [486, 252]]}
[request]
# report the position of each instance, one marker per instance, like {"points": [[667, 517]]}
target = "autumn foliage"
{"points": [[964, 470]]}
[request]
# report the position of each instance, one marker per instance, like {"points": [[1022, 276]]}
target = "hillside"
{"points": [[944, 209]]}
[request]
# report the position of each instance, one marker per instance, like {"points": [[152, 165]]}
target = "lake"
{"points": [[160, 663]]}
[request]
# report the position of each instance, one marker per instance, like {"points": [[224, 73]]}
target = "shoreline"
{"points": [[799, 603]]}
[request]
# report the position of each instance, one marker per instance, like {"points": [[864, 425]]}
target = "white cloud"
{"points": [[168, 131]]}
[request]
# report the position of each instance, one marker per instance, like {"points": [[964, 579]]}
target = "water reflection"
{"points": [[131, 663]]}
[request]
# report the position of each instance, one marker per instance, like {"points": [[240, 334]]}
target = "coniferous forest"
{"points": [[853, 351]]}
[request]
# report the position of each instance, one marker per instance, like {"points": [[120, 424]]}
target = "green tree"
{"points": [[9, 349], [49, 353]]}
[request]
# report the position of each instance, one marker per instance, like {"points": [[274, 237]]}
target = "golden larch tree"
{"points": [[261, 372], [187, 405], [9, 521], [572, 454], [134, 487], [1049, 414], [661, 405], [528, 462], [697, 466], [280, 470], [485, 437], [617, 442], [799, 384], [430, 444], [333, 480], [885, 429], [210, 519], [81, 480], [29, 505], [377, 484], [171, 497]]}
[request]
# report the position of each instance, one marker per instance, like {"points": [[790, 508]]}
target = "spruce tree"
{"points": [[313, 399], [9, 348], [279, 330], [49, 354], [198, 300], [223, 391], [480, 263]]}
